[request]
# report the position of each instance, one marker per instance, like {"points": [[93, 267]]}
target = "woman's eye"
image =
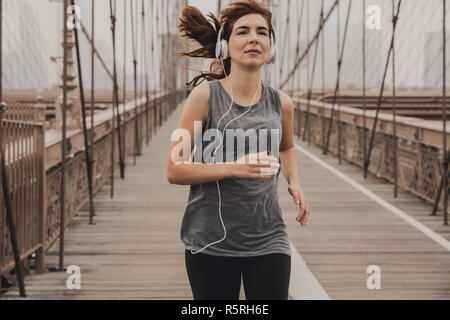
{"points": [[261, 33]]}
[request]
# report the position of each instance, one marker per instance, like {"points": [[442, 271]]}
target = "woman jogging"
{"points": [[238, 130]]}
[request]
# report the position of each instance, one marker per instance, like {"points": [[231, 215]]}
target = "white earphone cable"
{"points": [[214, 154]]}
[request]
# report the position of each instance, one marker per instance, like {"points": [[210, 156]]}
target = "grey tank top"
{"points": [[250, 207]]}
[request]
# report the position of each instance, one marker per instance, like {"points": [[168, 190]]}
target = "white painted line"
{"points": [[399, 213], [303, 285]]}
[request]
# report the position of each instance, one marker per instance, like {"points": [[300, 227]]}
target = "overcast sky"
{"points": [[33, 33], [205, 6]]}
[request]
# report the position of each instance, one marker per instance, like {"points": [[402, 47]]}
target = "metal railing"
{"points": [[34, 174], [419, 145]]}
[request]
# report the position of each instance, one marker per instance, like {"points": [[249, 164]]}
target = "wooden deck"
{"points": [[134, 251]]}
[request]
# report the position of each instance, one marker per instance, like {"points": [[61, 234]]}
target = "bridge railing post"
{"points": [[42, 199]]}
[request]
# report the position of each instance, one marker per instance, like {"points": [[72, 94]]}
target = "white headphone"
{"points": [[222, 47]]}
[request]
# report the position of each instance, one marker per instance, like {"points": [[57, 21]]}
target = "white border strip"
{"points": [[399, 213], [303, 285]]}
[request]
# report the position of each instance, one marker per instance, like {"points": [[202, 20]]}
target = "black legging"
{"points": [[219, 278]]}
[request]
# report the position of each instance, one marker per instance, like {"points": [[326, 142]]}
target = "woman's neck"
{"points": [[245, 82]]}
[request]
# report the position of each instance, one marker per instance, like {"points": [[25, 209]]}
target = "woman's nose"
{"points": [[253, 38]]}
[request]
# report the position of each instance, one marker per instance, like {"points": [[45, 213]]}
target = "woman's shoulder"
{"points": [[197, 104], [202, 91], [285, 100], [287, 104]]}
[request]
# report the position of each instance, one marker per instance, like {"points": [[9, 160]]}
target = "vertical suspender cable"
{"points": [[168, 66], [154, 73], [144, 52], [92, 71], [307, 41], [112, 155], [138, 85], [336, 90], [307, 132], [372, 137], [92, 212], [297, 50], [364, 79], [394, 111], [62, 191], [116, 92], [338, 122], [161, 66], [141, 73], [87, 148], [158, 63], [446, 153], [135, 151], [323, 74], [286, 36], [444, 110], [124, 98]]}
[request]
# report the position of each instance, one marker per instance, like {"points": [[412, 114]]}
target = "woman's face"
{"points": [[249, 43]]}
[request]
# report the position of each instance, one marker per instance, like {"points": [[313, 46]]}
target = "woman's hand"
{"points": [[256, 166], [300, 200]]}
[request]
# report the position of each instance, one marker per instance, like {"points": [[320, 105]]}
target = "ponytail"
{"points": [[195, 26]]}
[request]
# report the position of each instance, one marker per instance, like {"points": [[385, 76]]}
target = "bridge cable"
{"points": [[88, 37], [91, 210], [394, 107], [323, 73], [364, 80], [316, 35], [133, 37], [336, 90], [286, 36], [307, 131], [144, 34], [297, 49], [395, 20], [62, 190], [124, 81], [116, 93], [443, 185], [154, 99], [87, 148]]}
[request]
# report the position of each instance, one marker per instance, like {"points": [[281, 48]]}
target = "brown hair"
{"points": [[195, 26]]}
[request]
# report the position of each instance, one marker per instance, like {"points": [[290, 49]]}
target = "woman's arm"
{"points": [[181, 171], [289, 158]]}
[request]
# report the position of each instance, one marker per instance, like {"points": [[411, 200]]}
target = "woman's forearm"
{"points": [[289, 166], [197, 173]]}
